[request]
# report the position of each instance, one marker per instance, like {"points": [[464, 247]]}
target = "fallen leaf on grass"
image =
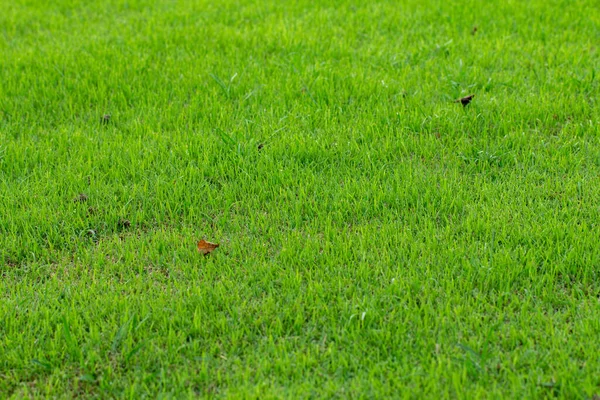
{"points": [[205, 247], [465, 100]]}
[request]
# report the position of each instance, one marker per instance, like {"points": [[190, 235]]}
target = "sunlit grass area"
{"points": [[377, 239]]}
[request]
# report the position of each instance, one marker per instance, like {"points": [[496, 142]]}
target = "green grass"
{"points": [[383, 242]]}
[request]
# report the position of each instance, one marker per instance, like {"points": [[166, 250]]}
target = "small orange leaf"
{"points": [[205, 247]]}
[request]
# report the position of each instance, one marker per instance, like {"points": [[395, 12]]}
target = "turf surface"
{"points": [[376, 238]]}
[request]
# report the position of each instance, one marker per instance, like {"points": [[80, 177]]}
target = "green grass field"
{"points": [[376, 238]]}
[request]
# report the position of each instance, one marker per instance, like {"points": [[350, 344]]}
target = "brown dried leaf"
{"points": [[205, 247], [465, 100]]}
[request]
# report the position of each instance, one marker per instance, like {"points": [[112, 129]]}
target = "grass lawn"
{"points": [[376, 238]]}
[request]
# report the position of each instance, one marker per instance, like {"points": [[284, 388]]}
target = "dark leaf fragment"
{"points": [[465, 100]]}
